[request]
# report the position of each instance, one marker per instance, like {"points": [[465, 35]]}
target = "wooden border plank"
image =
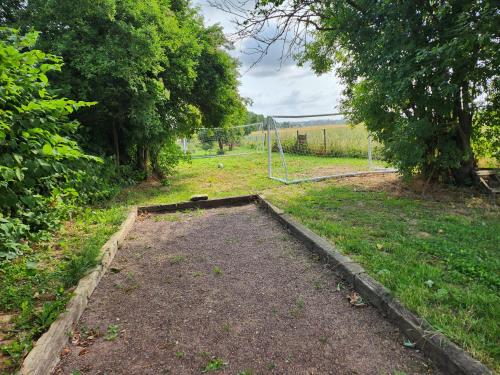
{"points": [[211, 203], [45, 354]]}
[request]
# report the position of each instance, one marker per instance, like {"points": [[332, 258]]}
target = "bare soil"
{"points": [[229, 284]]}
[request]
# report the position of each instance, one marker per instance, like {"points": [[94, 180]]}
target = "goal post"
{"points": [[316, 147]]}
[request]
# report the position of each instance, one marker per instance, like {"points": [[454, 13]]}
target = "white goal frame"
{"points": [[270, 125]]}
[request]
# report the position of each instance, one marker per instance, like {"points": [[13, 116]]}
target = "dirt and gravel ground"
{"points": [[228, 284]]}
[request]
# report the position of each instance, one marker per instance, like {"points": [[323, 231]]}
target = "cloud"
{"points": [[276, 85]]}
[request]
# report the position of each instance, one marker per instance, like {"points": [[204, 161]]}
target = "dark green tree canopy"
{"points": [[144, 62]]}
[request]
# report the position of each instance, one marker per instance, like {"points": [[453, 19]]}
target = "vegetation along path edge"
{"points": [[44, 356]]}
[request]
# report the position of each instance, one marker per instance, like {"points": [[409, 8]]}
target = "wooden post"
{"points": [[324, 140], [297, 136]]}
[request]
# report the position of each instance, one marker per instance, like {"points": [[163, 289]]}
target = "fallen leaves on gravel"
{"points": [[355, 299]]}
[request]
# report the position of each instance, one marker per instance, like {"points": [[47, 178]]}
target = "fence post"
{"points": [[324, 140], [370, 165], [269, 150]]}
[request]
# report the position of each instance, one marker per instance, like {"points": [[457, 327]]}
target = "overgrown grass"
{"points": [[35, 287]]}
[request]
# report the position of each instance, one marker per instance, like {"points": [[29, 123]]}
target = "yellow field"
{"points": [[327, 140]]}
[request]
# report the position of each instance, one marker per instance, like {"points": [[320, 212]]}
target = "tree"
{"points": [[415, 71], [137, 59], [216, 88]]}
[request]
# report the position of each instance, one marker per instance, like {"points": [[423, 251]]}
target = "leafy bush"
{"points": [[168, 157], [36, 149]]}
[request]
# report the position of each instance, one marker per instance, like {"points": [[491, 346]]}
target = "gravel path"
{"points": [[229, 288]]}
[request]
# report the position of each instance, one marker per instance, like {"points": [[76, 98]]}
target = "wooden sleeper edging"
{"points": [[44, 356]]}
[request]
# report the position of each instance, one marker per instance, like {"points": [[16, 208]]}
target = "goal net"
{"points": [[220, 142], [317, 147]]}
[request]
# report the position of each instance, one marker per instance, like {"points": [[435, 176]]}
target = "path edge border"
{"points": [[239, 200], [450, 358], [45, 354], [446, 355]]}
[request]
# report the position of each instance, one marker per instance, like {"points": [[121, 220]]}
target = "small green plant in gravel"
{"points": [[246, 372], [180, 354], [215, 364], [298, 308], [111, 333], [217, 271], [176, 259]]}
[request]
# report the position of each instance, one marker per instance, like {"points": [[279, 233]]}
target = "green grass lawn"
{"points": [[441, 259]]}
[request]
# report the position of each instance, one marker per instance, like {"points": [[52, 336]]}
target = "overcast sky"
{"points": [[274, 89]]}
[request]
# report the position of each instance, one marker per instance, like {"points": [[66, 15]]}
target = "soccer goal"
{"points": [[221, 142], [317, 147]]}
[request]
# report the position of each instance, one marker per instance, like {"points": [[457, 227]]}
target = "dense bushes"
{"points": [[35, 143], [43, 171]]}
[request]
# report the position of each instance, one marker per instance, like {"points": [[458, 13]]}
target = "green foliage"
{"points": [[486, 136], [145, 63], [168, 157], [215, 364], [216, 87], [414, 75], [35, 284], [36, 148]]}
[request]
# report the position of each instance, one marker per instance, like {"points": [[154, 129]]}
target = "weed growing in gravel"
{"points": [[217, 271], [323, 339], [111, 333], [197, 274], [215, 364], [180, 354], [226, 327], [167, 217], [175, 259], [246, 372], [298, 308]]}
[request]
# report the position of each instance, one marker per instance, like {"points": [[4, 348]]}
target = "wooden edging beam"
{"points": [[44, 356], [450, 358], [447, 356], [212, 203]]}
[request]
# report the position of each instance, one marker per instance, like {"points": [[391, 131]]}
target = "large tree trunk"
{"points": [[464, 173], [116, 143], [142, 158]]}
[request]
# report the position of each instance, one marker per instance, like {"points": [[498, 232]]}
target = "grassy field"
{"points": [[329, 140], [334, 140], [439, 255]]}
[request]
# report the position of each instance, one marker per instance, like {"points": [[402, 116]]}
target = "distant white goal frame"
{"points": [[270, 125], [184, 142]]}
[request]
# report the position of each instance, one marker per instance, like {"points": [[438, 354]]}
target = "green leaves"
{"points": [[36, 148]]}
